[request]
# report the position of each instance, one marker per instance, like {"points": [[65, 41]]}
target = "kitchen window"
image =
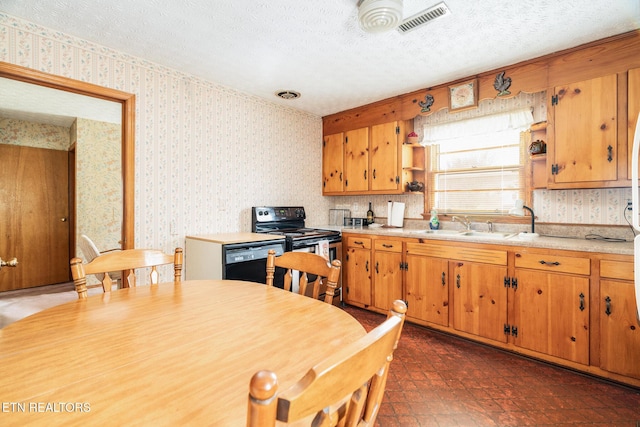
{"points": [[477, 165]]}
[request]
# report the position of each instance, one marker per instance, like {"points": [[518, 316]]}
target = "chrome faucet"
{"points": [[490, 226], [465, 221]]}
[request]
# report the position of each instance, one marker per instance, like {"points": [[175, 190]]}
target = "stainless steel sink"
{"points": [[487, 235], [449, 232], [472, 233]]}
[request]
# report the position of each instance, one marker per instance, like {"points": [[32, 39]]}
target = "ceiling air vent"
{"points": [[424, 17]]}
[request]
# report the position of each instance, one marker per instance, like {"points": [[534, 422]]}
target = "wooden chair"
{"points": [[90, 251], [345, 389], [128, 259], [306, 263]]}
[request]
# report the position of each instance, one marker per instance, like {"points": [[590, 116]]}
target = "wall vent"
{"points": [[424, 17]]}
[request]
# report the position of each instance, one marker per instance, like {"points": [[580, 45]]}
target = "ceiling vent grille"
{"points": [[424, 17]]}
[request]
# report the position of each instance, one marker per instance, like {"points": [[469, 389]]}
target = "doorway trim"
{"points": [[127, 100]]}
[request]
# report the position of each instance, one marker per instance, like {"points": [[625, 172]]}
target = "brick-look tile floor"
{"points": [[440, 380]]}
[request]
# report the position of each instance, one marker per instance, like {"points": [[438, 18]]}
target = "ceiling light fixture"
{"points": [[377, 16], [288, 94]]}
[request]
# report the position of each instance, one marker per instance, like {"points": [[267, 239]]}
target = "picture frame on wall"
{"points": [[463, 96]]}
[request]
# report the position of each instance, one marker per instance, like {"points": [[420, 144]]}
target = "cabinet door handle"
{"points": [[366, 266], [458, 281], [607, 302], [340, 176], [384, 245], [609, 154], [374, 174], [581, 301], [377, 272], [365, 174], [543, 262], [443, 279]]}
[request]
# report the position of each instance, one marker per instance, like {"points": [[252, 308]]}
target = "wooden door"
{"points": [[619, 329], [332, 163], [358, 276], [586, 129], [34, 212], [356, 160], [387, 279], [384, 154], [427, 289], [480, 299], [551, 314]]}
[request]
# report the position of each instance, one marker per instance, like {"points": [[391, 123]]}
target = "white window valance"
{"points": [[519, 120]]}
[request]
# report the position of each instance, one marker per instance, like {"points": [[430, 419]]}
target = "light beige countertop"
{"points": [[231, 238], [514, 239]]}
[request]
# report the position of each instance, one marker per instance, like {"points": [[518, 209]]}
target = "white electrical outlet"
{"points": [[356, 207]]}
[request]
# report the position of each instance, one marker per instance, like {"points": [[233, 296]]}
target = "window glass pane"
{"points": [[482, 158]]}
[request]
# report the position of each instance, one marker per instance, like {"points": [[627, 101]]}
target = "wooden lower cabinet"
{"points": [[357, 271], [551, 314], [571, 308], [479, 299], [551, 304], [619, 325], [387, 273], [427, 288]]}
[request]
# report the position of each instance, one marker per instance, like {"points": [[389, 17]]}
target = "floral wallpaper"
{"points": [[31, 134], [98, 182], [204, 154]]}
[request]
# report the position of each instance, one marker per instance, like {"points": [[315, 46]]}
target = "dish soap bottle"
{"points": [[369, 215], [434, 223]]}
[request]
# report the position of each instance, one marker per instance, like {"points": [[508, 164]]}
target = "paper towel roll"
{"points": [[397, 214], [389, 210]]}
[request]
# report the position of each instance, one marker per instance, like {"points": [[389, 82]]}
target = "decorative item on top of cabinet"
{"points": [[425, 106], [502, 84], [583, 147]]}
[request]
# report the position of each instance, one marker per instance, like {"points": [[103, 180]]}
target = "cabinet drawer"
{"points": [[359, 242], [553, 263], [387, 245], [616, 269], [462, 253]]}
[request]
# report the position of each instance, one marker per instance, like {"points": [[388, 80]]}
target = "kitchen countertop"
{"points": [[546, 242], [230, 238]]}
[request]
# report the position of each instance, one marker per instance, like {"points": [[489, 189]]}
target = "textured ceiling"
{"points": [[316, 46]]}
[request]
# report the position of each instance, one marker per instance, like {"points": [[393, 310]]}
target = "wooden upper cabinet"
{"points": [[585, 147], [332, 163], [371, 160], [385, 175], [356, 160]]}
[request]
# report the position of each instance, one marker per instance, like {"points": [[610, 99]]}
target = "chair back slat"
{"points": [[345, 389], [125, 260], [307, 264]]}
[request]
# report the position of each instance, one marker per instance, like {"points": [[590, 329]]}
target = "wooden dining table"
{"points": [[163, 354]]}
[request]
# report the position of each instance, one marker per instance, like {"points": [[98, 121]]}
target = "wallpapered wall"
{"points": [[204, 154], [31, 134]]}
